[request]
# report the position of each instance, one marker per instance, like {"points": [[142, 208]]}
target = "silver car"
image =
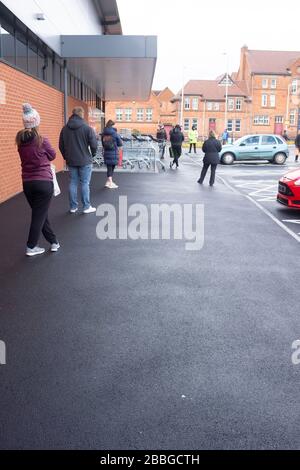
{"points": [[269, 147]]}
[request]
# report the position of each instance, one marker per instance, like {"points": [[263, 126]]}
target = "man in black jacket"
{"points": [[78, 143], [161, 136], [297, 144]]}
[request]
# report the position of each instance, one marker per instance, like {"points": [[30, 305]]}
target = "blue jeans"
{"points": [[82, 175]]}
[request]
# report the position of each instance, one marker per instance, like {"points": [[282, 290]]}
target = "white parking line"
{"points": [[278, 222]]}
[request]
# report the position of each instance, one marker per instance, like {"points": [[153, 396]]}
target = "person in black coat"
{"points": [[161, 136], [297, 144], [211, 148], [78, 144], [176, 139], [111, 141]]}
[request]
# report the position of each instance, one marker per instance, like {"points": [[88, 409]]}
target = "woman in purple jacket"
{"points": [[36, 153]]}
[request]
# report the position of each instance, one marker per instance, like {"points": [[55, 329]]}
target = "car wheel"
{"points": [[227, 158], [280, 158]]}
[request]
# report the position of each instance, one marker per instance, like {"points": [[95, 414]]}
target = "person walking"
{"points": [[111, 141], [193, 138], [36, 153], [225, 136], [78, 143], [161, 136], [176, 139], [297, 144], [285, 135], [211, 149]]}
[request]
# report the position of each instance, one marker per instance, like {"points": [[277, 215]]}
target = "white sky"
{"points": [[194, 34]]}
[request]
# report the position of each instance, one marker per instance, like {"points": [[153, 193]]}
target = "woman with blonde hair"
{"points": [[211, 149]]}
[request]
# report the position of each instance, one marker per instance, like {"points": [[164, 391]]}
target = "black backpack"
{"points": [[108, 142]]}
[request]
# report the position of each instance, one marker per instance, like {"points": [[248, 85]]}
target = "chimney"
{"points": [[242, 69]]}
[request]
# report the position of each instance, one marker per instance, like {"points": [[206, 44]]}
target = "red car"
{"points": [[289, 189]]}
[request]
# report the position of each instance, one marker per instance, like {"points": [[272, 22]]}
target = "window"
{"points": [[265, 83], [238, 125], [273, 83], [279, 140], [268, 140], [238, 104], [209, 106], [140, 114], [32, 58], [272, 101], [186, 124], [119, 114], [195, 104], [264, 100], [294, 87], [216, 106], [195, 123], [230, 125], [230, 104], [293, 117], [186, 103], [261, 120], [149, 114], [278, 119], [7, 42], [21, 50], [128, 114], [253, 140]]}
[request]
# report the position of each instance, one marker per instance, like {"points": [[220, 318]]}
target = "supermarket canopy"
{"points": [[116, 67]]}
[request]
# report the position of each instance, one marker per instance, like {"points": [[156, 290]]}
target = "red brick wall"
{"points": [[21, 88]]}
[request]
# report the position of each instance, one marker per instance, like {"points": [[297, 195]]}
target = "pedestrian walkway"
{"points": [[123, 344]]}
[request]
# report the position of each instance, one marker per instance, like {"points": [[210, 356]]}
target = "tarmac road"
{"points": [[123, 344]]}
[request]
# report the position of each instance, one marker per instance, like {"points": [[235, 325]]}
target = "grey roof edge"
{"points": [[105, 16], [108, 46]]}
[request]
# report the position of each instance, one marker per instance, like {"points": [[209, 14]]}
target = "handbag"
{"points": [[56, 188]]}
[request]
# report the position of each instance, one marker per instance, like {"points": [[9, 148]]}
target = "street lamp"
{"points": [[226, 89], [182, 99]]}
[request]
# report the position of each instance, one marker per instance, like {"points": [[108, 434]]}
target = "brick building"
{"points": [[143, 116], [56, 59], [263, 97]]}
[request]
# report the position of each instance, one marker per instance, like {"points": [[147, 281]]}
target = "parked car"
{"points": [[289, 189], [269, 147]]}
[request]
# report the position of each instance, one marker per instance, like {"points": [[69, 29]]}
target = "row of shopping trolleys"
{"points": [[138, 152]]}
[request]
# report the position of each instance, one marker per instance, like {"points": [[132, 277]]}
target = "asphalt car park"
{"points": [[258, 182], [141, 344]]}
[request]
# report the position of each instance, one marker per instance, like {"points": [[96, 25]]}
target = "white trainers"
{"points": [[55, 247], [90, 210], [111, 185], [73, 210], [35, 251], [107, 185]]}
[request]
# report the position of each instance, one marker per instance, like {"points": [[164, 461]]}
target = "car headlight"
{"points": [[297, 182]]}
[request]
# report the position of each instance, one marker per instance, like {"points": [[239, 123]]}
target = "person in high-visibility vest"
{"points": [[193, 137]]}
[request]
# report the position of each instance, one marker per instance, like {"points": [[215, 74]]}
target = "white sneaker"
{"points": [[113, 185], [55, 246], [108, 185], [73, 210], [90, 210], [35, 251]]}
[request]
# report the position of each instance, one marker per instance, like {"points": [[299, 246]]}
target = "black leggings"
{"points": [[212, 172], [193, 145], [175, 153], [38, 195], [110, 170]]}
